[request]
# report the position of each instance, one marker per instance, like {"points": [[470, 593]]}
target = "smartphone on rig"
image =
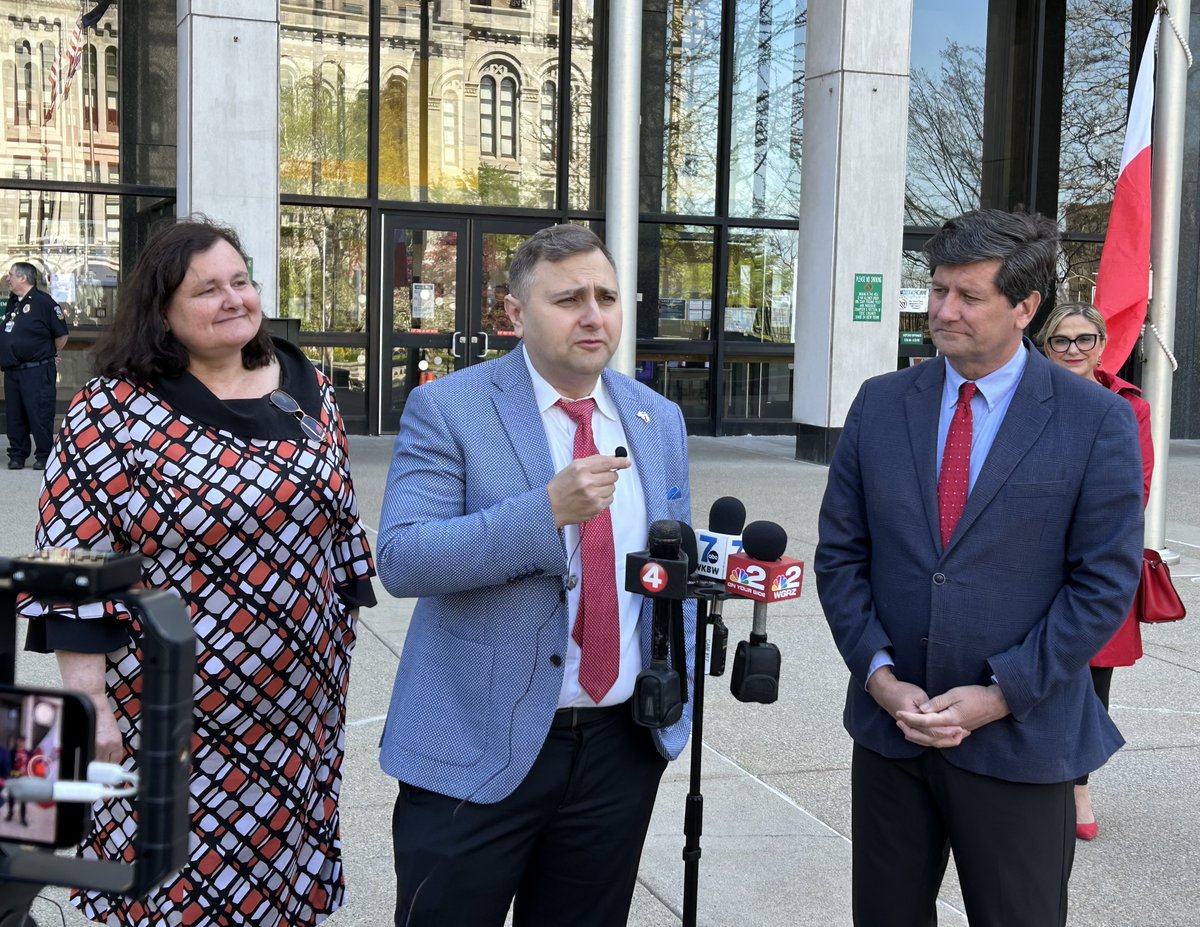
{"points": [[47, 734]]}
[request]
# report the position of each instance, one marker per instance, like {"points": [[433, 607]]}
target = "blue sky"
{"points": [[935, 21]]}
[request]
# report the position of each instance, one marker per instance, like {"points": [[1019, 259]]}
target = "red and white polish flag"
{"points": [[1123, 283]]}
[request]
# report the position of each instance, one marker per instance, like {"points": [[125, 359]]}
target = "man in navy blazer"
{"points": [[522, 772], [970, 703]]}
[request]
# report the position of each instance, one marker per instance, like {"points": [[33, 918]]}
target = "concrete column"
{"points": [[851, 209], [621, 179], [228, 135]]}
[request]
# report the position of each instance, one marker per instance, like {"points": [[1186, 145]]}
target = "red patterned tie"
{"points": [[955, 478], [597, 622]]}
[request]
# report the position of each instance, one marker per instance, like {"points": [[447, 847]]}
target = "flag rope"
{"points": [[1166, 11]]}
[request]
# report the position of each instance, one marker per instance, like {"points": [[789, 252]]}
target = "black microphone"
{"points": [[688, 546], [761, 575], [664, 543], [723, 538], [659, 572], [620, 451], [727, 515], [765, 542]]}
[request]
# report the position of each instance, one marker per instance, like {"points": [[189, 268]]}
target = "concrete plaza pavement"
{"points": [[776, 784]]}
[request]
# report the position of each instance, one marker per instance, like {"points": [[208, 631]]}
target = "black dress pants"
{"points": [[29, 410], [1013, 843], [566, 843]]}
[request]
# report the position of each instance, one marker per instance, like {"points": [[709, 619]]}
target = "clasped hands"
{"points": [[584, 488], [942, 721]]}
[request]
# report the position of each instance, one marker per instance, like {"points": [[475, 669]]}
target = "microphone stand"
{"points": [[693, 813]]}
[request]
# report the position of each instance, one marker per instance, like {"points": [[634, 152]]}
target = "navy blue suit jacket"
{"points": [[1039, 574], [466, 526]]}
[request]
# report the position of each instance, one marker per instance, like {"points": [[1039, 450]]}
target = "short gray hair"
{"points": [[26, 272], [553, 244], [1026, 244]]}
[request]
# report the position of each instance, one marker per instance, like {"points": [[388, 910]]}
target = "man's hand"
{"points": [[584, 488], [946, 719], [892, 695]]}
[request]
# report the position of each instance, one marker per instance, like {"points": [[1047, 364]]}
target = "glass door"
{"points": [[445, 280], [494, 244]]}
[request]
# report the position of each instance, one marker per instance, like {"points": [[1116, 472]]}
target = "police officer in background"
{"points": [[33, 333]]}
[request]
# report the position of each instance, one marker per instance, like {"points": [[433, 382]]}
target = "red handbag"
{"points": [[1157, 600]]}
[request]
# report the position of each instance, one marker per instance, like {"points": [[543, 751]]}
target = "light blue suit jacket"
{"points": [[1037, 577], [467, 527]]}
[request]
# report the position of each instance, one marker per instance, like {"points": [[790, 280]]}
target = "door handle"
{"points": [[485, 350], [454, 340]]}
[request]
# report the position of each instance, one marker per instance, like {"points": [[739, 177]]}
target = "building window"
{"points": [[450, 128], [487, 116], [110, 89], [549, 121], [49, 56], [23, 85], [508, 118]]}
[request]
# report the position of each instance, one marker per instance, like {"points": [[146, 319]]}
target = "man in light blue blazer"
{"points": [[979, 541], [508, 513]]}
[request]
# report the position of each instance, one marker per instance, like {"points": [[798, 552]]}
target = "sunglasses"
{"points": [[1061, 344], [286, 404]]}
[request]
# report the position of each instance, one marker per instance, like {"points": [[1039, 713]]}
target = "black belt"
{"points": [[41, 363], [577, 717]]}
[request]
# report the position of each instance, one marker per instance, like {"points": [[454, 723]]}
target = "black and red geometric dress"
{"points": [[255, 526]]}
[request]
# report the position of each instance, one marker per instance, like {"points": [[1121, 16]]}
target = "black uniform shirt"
{"points": [[31, 324]]}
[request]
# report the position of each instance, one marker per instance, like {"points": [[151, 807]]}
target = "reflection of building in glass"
{"points": [[61, 124], [479, 82]]}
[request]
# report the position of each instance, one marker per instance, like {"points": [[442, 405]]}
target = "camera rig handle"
{"points": [[164, 756]]}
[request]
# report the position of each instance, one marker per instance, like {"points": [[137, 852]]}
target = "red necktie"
{"points": [[955, 478], [597, 621]]}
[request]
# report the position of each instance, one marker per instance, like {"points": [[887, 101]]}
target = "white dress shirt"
{"points": [[629, 534]]}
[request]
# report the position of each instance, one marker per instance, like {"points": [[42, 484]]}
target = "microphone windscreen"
{"points": [[727, 516], [764, 540], [690, 549], [665, 539], [620, 451]]}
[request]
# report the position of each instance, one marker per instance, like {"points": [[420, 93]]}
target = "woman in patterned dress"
{"points": [[218, 454]]}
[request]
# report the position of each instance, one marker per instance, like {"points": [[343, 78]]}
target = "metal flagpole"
{"points": [[1170, 98], [622, 176]]}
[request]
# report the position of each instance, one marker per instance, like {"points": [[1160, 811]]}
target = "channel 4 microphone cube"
{"points": [[765, 580]]}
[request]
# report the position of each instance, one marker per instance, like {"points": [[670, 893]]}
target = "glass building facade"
{"points": [[421, 141]]}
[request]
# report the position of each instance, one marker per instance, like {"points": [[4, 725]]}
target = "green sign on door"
{"points": [[868, 297]]}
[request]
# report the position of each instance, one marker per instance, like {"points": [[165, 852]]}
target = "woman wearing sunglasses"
{"points": [[219, 454], [1073, 337]]}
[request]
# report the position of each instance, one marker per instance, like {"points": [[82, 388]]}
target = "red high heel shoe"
{"points": [[1087, 831]]}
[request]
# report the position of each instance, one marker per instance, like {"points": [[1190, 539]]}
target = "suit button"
{"points": [[924, 641], [555, 660], [939, 579]]}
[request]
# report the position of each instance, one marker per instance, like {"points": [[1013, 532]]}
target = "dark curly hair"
{"points": [[138, 347]]}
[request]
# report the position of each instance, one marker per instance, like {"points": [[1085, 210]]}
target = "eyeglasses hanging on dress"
{"points": [[286, 404]]}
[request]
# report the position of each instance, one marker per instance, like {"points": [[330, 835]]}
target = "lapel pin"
{"points": [[644, 416]]}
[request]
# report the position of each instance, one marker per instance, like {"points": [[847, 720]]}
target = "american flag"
{"points": [[60, 88]]}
